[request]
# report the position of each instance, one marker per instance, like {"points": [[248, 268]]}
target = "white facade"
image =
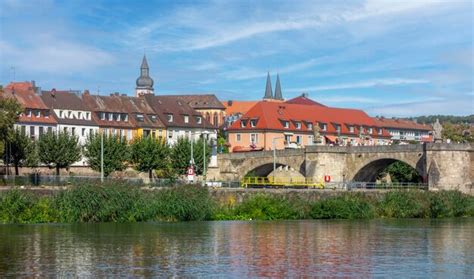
{"points": [[34, 130], [174, 133], [405, 134]]}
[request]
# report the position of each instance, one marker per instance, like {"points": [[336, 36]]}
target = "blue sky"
{"points": [[393, 58]]}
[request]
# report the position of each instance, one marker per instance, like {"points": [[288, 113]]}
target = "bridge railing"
{"points": [[353, 185]]}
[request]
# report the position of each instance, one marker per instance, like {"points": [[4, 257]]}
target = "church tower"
{"points": [[268, 89], [144, 82]]}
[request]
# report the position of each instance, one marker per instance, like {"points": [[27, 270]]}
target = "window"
{"points": [[298, 139], [41, 131], [253, 123], [338, 128], [152, 118], [46, 113], [37, 113], [287, 139], [169, 117], [237, 137], [91, 131], [32, 131], [69, 114], [310, 126], [370, 130], [88, 116], [323, 127], [83, 133], [111, 116], [50, 129], [186, 119], [28, 113], [253, 138], [129, 134], [23, 130], [351, 129], [243, 123], [286, 124], [310, 140], [73, 131], [298, 125], [102, 116], [199, 120], [140, 118], [117, 116], [79, 115], [60, 114], [125, 117], [170, 134], [65, 129]]}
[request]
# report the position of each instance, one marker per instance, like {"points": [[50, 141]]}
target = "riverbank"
{"points": [[120, 203]]}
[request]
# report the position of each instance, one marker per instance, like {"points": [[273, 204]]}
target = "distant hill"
{"points": [[430, 119]]}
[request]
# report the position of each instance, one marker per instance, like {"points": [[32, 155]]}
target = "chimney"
{"points": [[86, 92], [229, 103], [305, 95]]}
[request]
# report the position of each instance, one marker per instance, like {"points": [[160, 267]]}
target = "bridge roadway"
{"points": [[443, 166]]}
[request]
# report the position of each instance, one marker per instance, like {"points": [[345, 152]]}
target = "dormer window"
{"points": [[37, 113], [286, 124], [351, 129], [323, 127], [46, 113], [243, 123], [253, 123], [60, 114], [69, 114], [125, 117], [370, 130], [338, 128], [310, 126], [186, 119], [298, 125], [79, 115], [102, 115], [169, 117], [152, 118], [199, 120], [111, 116], [140, 118], [380, 131], [88, 116]]}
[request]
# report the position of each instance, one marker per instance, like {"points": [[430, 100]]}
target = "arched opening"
{"points": [[388, 170], [216, 119], [281, 170]]}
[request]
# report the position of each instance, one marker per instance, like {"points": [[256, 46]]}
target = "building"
{"points": [[180, 119], [287, 125], [144, 81], [143, 118], [110, 114], [406, 130], [36, 118], [71, 113], [208, 105]]}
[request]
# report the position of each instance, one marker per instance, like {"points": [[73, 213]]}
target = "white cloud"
{"points": [[361, 84], [347, 99]]}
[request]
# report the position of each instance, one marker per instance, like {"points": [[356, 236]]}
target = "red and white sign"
{"points": [[190, 173], [327, 178]]}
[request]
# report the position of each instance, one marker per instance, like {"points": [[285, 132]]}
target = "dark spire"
{"points": [[144, 63], [145, 81], [268, 88], [278, 95]]}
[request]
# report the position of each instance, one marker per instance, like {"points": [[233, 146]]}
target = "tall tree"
{"points": [[149, 154], [18, 148], [116, 153], [181, 155], [59, 150], [10, 110]]}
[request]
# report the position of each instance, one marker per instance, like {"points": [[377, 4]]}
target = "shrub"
{"points": [[347, 206], [405, 204]]}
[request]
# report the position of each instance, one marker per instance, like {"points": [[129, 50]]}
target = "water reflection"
{"points": [[413, 248]]}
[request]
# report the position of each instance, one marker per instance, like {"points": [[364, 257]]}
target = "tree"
{"points": [[116, 153], [10, 110], [18, 147], [402, 172], [148, 154], [181, 155], [58, 150]]}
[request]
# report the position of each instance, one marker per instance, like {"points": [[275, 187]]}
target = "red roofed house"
{"points": [[37, 117], [406, 130], [291, 125]]}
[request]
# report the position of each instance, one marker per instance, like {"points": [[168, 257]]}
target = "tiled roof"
{"points": [[25, 94], [204, 101], [242, 107], [55, 99], [110, 104], [303, 100], [402, 124], [165, 105], [138, 105], [272, 115]]}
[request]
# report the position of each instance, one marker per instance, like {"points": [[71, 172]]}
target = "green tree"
{"points": [[148, 154], [18, 147], [10, 110], [116, 153], [402, 172], [181, 155], [58, 150]]}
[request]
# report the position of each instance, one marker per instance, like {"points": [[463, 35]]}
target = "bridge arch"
{"points": [[265, 169], [370, 169]]}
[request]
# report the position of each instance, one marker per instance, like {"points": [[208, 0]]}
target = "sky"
{"points": [[391, 58]]}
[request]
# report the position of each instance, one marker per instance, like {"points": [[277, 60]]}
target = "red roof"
{"points": [[272, 116], [401, 124], [303, 100]]}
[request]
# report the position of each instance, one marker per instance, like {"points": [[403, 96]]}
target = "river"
{"points": [[368, 248]]}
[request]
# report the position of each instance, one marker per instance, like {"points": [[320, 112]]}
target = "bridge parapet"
{"points": [[262, 154]]}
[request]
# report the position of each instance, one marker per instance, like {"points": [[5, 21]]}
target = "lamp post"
{"points": [[102, 156], [204, 137]]}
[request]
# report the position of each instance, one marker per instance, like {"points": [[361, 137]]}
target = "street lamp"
{"points": [[102, 156], [204, 137]]}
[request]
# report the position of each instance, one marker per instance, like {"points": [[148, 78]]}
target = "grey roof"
{"points": [[201, 101], [268, 88], [144, 81], [278, 94]]}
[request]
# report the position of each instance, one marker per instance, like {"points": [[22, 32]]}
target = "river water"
{"points": [[395, 248]]}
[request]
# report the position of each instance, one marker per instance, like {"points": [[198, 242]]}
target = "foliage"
{"points": [[430, 119], [181, 155], [405, 204], [461, 133], [20, 148], [222, 142], [116, 153], [10, 110], [402, 172], [58, 150], [148, 154], [348, 206]]}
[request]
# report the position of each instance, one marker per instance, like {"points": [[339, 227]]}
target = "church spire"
{"points": [[268, 89], [278, 94], [144, 81]]}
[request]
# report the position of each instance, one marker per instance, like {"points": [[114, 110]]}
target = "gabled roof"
{"points": [[201, 101], [402, 124], [236, 107], [271, 116], [304, 100], [165, 105], [56, 99], [138, 105], [111, 104]]}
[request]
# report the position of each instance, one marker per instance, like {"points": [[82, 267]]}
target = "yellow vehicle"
{"points": [[283, 182]]}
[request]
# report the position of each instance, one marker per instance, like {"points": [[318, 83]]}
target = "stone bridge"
{"points": [[442, 166]]}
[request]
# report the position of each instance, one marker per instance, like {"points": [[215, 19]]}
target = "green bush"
{"points": [[347, 206], [405, 204]]}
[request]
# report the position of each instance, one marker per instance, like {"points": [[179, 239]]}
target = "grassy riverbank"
{"points": [[119, 203]]}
